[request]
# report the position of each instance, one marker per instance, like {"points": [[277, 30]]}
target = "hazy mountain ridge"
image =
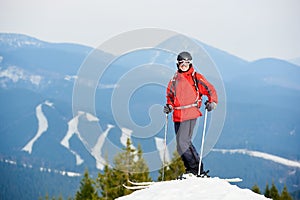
{"points": [[261, 99]]}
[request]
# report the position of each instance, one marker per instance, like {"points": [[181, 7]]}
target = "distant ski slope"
{"points": [[266, 156]]}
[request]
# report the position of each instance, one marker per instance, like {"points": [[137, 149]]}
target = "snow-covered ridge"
{"points": [[194, 188], [19, 40], [43, 169], [15, 74], [266, 156]]}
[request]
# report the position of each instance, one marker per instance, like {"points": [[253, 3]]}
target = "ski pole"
{"points": [[165, 148], [202, 143]]}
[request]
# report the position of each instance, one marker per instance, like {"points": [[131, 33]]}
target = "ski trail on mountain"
{"points": [[163, 153], [126, 134], [266, 156], [97, 149], [42, 127], [72, 129]]}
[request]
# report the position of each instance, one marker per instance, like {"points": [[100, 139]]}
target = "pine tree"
{"points": [[140, 171], [274, 192], [125, 161], [267, 191], [47, 196], [173, 169], [285, 194], [105, 183], [123, 165], [256, 189], [86, 190], [128, 165]]}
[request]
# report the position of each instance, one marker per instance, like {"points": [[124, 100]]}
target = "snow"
{"points": [[10, 162], [35, 79], [162, 149], [91, 118], [194, 188], [70, 174], [97, 149], [15, 74], [42, 169], [48, 103], [19, 40], [126, 134], [72, 129], [79, 160], [266, 156], [70, 78], [42, 127]]}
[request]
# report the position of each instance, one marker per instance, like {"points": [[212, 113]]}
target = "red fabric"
{"points": [[181, 92]]}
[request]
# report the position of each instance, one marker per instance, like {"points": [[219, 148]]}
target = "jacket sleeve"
{"points": [[206, 88], [170, 93]]}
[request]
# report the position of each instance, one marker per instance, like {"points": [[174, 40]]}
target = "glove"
{"points": [[210, 106], [168, 108]]}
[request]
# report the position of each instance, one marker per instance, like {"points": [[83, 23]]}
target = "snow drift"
{"points": [[193, 188]]}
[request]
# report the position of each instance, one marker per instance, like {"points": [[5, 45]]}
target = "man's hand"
{"points": [[168, 108], [210, 106]]}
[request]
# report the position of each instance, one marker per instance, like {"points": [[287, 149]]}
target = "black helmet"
{"points": [[184, 56]]}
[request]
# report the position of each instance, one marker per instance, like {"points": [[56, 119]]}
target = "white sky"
{"points": [[250, 29]]}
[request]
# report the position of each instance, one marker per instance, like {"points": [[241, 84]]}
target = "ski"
{"points": [[144, 185], [233, 180], [230, 180], [136, 187], [190, 175], [140, 183]]}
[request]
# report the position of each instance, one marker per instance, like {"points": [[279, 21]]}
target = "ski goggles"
{"points": [[184, 62]]}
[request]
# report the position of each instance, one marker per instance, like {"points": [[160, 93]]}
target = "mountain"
{"points": [[27, 182], [49, 121], [295, 61], [193, 188]]}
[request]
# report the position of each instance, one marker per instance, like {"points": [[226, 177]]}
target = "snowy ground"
{"points": [[193, 188]]}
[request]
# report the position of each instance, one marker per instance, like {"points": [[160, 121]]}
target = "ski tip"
{"points": [[139, 187], [140, 183], [233, 179]]}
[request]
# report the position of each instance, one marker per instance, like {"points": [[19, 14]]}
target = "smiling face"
{"points": [[184, 65]]}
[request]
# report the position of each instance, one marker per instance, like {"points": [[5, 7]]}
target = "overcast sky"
{"points": [[249, 29]]}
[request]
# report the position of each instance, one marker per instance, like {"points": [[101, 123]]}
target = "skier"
{"points": [[184, 98]]}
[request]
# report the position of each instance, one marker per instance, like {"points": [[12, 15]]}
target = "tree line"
{"points": [[273, 192], [130, 165]]}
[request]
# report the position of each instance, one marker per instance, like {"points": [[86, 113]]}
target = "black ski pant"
{"points": [[185, 148]]}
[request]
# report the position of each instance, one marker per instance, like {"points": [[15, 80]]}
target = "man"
{"points": [[184, 98]]}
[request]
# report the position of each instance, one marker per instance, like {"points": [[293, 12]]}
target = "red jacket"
{"points": [[182, 94]]}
